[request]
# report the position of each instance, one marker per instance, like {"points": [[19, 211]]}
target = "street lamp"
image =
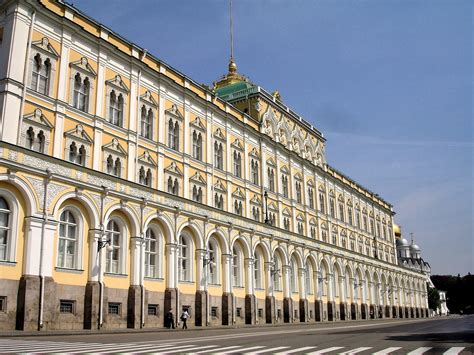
{"points": [[265, 196], [208, 261], [104, 243]]}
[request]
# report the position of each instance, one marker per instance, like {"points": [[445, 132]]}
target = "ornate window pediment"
{"points": [[284, 169], [300, 217], [310, 183], [38, 119], [219, 186], [173, 169], [118, 83], [321, 188], [173, 111], [312, 221], [147, 98], [272, 206], [83, 65], [349, 202], [364, 210], [115, 147], [286, 212], [46, 47], [238, 194], [219, 135], [271, 162], [197, 123], [237, 144], [298, 176], [334, 229], [343, 232], [324, 225], [340, 198], [79, 134], [256, 200], [254, 153], [146, 159], [371, 213], [198, 179], [331, 193]]}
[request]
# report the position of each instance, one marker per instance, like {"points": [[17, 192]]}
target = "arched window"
{"points": [[300, 228], [271, 179], [184, 258], [113, 259], [141, 176], [219, 201], [218, 155], [309, 279], [197, 145], [173, 134], [5, 214], [293, 276], [236, 267], [40, 75], [284, 185], [322, 202], [81, 157], [116, 109], [67, 241], [72, 152], [257, 265], [298, 191], [176, 187], [81, 93], [311, 197], [341, 211], [212, 266], [332, 207], [256, 213], [237, 164], [176, 136], [151, 253], [238, 208], [30, 138], [41, 141], [277, 274], [349, 215], [110, 164], [117, 167], [254, 171], [149, 177], [146, 122]]}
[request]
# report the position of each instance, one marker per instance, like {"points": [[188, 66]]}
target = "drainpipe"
{"points": [[25, 73], [101, 275], [43, 228], [142, 286]]}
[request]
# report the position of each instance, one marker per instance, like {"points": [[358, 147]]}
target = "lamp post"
{"points": [[274, 272], [207, 261], [265, 196]]}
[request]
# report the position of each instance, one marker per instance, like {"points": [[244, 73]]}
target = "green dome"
{"points": [[229, 89]]}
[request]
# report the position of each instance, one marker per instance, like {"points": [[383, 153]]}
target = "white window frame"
{"points": [[78, 257], [12, 234], [189, 272], [123, 245]]}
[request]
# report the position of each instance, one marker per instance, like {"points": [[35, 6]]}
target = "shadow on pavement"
{"points": [[464, 337]]}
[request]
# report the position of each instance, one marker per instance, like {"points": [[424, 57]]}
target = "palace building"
{"points": [[127, 189]]}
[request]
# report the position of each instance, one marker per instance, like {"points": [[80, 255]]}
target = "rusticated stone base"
{"points": [[250, 309], [354, 311], [200, 316], [134, 307], [331, 305], [319, 310], [303, 310], [388, 312], [91, 305], [394, 312], [227, 306], [287, 310], [412, 312], [364, 311], [373, 311], [270, 310], [171, 298], [343, 311]]}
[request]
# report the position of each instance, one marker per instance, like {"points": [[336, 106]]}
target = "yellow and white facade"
{"points": [[127, 189]]}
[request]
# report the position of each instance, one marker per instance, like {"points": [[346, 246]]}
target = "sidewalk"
{"points": [[21, 333]]}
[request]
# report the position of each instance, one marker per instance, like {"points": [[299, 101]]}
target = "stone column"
{"points": [[171, 291], [331, 304], [200, 312], [287, 302], [269, 297], [318, 304], [92, 292], [303, 304], [134, 290], [227, 297], [342, 299], [250, 296]]}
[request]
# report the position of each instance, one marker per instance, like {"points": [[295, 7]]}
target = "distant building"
{"points": [[127, 189]]}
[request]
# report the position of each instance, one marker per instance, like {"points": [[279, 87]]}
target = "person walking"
{"points": [[184, 318], [170, 319]]}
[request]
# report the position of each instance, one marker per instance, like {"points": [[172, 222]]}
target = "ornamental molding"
{"points": [[146, 159], [115, 147], [46, 47], [83, 65], [118, 84], [197, 178], [174, 112], [39, 119], [173, 169], [79, 134], [149, 99]]}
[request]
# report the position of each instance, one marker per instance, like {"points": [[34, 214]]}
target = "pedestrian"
{"points": [[184, 318], [170, 319]]}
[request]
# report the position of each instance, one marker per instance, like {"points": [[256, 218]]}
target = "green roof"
{"points": [[229, 89]]}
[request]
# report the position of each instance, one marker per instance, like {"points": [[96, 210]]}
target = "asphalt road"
{"points": [[449, 335]]}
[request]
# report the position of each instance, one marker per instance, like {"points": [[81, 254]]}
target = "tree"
{"points": [[434, 302]]}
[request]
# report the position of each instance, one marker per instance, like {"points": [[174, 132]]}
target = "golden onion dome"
{"points": [[397, 230], [232, 66]]}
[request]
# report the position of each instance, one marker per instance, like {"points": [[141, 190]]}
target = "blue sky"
{"points": [[389, 83]]}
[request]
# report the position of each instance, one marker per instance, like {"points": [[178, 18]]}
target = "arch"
{"points": [[264, 248], [154, 249], [129, 212], [220, 236], [282, 253], [85, 200], [164, 223], [242, 241], [31, 200], [297, 255]]}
